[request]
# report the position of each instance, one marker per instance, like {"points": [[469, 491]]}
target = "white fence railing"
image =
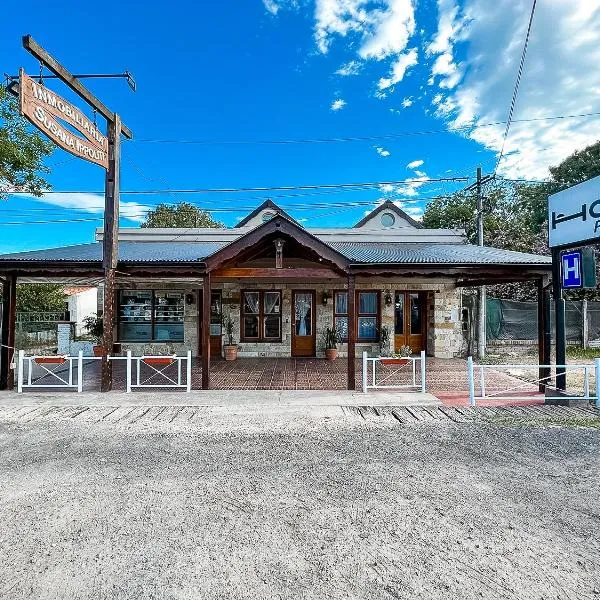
{"points": [[384, 378], [157, 371], [53, 371], [479, 372]]}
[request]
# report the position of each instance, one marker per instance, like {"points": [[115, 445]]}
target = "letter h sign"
{"points": [[571, 270]]}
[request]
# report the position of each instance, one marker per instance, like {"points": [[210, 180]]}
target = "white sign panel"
{"points": [[574, 214]]}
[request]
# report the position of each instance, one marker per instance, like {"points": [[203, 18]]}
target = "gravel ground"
{"points": [[297, 503]]}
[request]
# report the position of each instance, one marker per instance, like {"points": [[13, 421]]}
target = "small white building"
{"points": [[82, 301]]}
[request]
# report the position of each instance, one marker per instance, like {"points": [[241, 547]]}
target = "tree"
{"points": [[182, 214], [22, 151], [40, 297]]}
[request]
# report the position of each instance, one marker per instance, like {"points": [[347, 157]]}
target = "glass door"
{"points": [[303, 323], [409, 320]]}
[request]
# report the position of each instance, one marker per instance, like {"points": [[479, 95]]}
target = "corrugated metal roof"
{"points": [[420, 253], [358, 252]]}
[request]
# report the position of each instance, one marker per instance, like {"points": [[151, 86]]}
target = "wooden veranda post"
{"points": [[111, 244], [7, 342], [351, 332], [543, 298], [206, 332]]}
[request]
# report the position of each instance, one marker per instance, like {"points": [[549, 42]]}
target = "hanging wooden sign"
{"points": [[43, 107]]}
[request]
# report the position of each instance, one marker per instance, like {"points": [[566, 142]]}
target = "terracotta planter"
{"points": [[161, 360], [394, 361], [98, 350], [50, 360], [331, 353], [230, 352]]}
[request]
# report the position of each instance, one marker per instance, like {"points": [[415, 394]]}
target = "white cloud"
{"points": [[350, 68], [338, 104], [407, 102], [382, 151], [560, 77], [399, 68], [386, 188], [414, 164], [272, 6], [92, 203]]}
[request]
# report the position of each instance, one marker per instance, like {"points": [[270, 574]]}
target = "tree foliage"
{"points": [[182, 214], [40, 297], [22, 151]]}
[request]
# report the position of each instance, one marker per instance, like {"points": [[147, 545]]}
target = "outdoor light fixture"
{"points": [[388, 299], [325, 298]]}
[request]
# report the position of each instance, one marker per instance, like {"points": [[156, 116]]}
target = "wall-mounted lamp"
{"points": [[325, 298], [388, 299], [190, 299]]}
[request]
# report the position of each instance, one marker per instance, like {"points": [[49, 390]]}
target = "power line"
{"points": [[366, 138], [517, 84], [363, 185]]}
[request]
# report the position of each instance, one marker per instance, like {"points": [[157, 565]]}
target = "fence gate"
{"points": [[381, 372]]}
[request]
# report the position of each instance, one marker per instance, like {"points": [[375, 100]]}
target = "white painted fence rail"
{"points": [[156, 367], [378, 379], [53, 371], [512, 393]]}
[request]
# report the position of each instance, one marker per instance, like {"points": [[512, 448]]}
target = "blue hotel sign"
{"points": [[572, 276]]}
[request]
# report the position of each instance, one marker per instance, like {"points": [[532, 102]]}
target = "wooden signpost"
{"points": [[45, 109]]}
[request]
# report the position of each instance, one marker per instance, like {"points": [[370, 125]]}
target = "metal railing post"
{"points": [[586, 382], [597, 369], [482, 381], [189, 371], [80, 371], [128, 374], [364, 372], [471, 381], [423, 371], [20, 373]]}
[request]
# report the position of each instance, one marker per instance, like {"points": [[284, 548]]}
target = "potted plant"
{"points": [[332, 339], [94, 325], [402, 358], [230, 349]]}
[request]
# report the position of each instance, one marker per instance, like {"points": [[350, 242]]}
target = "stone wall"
{"points": [[444, 339]]}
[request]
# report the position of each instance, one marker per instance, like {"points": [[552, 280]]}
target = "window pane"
{"points": [[367, 303], [367, 328], [251, 302], [272, 326], [272, 302], [341, 303], [399, 315], [341, 324], [251, 327], [135, 315], [303, 308], [215, 313], [168, 316], [415, 314]]}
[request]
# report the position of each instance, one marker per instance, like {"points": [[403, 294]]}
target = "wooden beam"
{"points": [[206, 332], [69, 79], [7, 341], [295, 273], [543, 298], [351, 332], [110, 245]]}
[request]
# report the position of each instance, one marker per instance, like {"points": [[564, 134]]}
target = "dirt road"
{"points": [[312, 504]]}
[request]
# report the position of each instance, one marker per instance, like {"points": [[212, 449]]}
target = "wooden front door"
{"points": [[409, 320], [215, 323], [303, 323]]}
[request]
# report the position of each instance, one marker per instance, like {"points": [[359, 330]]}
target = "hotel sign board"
{"points": [[574, 215], [47, 110]]}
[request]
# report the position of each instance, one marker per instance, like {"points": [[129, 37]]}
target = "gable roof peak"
{"points": [[266, 205], [391, 206]]}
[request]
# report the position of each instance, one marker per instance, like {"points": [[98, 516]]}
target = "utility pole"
{"points": [[481, 316]]}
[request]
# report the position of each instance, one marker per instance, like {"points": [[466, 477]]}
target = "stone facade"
{"points": [[444, 331]]}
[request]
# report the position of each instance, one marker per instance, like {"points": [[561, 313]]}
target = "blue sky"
{"points": [[269, 70]]}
